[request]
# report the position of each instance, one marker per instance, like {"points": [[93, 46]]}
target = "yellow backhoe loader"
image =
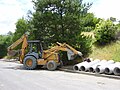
{"points": [[37, 56]]}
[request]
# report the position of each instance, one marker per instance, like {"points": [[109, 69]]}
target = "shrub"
{"points": [[85, 43], [105, 32]]}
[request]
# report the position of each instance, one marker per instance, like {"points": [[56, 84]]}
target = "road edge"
{"points": [[92, 74]]}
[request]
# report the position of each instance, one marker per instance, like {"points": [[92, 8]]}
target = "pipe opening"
{"points": [[117, 70], [75, 68], [107, 70], [97, 70], [82, 68], [91, 69]]}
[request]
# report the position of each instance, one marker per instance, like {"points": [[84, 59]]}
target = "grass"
{"points": [[109, 52]]}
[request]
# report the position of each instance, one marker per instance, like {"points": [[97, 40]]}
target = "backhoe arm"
{"points": [[24, 42], [64, 47], [15, 44]]}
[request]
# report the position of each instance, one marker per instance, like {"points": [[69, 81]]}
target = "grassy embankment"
{"points": [[108, 52]]}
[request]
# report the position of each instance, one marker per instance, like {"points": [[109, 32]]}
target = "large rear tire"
{"points": [[30, 63], [51, 65]]}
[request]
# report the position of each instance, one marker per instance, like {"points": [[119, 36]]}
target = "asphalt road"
{"points": [[14, 77]]}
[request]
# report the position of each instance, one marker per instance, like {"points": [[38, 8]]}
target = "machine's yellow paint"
{"points": [[47, 55], [24, 42], [29, 62], [41, 62]]}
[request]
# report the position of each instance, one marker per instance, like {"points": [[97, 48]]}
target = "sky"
{"points": [[12, 10]]}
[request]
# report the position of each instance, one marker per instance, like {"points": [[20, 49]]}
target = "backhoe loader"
{"points": [[37, 56]]}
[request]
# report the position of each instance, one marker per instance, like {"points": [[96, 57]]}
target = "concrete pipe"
{"points": [[109, 68], [92, 68], [101, 68], [91, 59], [85, 67], [116, 70], [77, 66]]}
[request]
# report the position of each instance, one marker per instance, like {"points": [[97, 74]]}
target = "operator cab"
{"points": [[36, 47]]}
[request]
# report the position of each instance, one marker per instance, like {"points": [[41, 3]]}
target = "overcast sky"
{"points": [[12, 10]]}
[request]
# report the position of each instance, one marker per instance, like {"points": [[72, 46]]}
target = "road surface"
{"points": [[14, 77]]}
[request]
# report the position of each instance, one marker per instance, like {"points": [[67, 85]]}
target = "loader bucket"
{"points": [[71, 55], [12, 53]]}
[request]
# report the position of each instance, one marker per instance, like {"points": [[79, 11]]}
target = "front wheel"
{"points": [[51, 65], [30, 63]]}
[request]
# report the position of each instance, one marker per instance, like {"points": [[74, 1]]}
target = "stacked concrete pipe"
{"points": [[85, 67], [93, 67], [77, 66], [116, 70], [101, 68], [109, 68], [85, 62]]}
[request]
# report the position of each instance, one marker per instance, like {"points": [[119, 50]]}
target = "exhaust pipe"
{"points": [[109, 69], [92, 68], [88, 65], [101, 68], [77, 66]]}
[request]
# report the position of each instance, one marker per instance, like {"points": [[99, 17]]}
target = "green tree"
{"points": [[22, 26], [59, 21], [5, 41], [90, 22]]}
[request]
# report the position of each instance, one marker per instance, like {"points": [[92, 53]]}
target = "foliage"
{"points": [[90, 21], [22, 26], [5, 41], [105, 32], [60, 21], [107, 52], [85, 43]]}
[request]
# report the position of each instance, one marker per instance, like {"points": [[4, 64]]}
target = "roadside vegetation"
{"points": [[107, 52], [68, 21]]}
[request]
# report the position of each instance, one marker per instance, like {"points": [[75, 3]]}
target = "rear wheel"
{"points": [[30, 63], [51, 65]]}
